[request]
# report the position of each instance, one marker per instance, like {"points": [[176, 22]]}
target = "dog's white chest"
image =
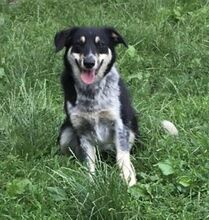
{"points": [[98, 126]]}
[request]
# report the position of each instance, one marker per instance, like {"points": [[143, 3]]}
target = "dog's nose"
{"points": [[89, 62]]}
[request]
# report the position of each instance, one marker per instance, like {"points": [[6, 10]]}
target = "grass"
{"points": [[166, 68]]}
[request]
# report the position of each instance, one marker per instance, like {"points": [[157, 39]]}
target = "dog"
{"points": [[96, 101]]}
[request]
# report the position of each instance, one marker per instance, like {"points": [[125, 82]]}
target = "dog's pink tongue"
{"points": [[88, 76]]}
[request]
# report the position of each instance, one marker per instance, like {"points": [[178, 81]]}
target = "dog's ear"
{"points": [[63, 37], [116, 38]]}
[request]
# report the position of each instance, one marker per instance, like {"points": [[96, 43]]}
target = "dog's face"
{"points": [[89, 51]]}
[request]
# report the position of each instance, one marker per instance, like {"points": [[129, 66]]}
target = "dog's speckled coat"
{"points": [[99, 114]]}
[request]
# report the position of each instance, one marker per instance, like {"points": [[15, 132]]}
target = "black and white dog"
{"points": [[97, 105]]}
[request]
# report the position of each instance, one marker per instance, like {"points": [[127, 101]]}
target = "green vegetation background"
{"points": [[166, 69]]}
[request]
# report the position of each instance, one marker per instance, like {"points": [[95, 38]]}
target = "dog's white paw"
{"points": [[128, 174]]}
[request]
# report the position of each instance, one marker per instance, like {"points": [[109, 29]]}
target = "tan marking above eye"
{"points": [[82, 39], [97, 39]]}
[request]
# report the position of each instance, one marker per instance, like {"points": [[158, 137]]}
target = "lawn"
{"points": [[166, 68]]}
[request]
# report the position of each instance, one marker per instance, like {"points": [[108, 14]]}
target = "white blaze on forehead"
{"points": [[82, 39], [97, 39]]}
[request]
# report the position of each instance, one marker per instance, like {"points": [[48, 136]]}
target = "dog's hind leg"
{"points": [[69, 142]]}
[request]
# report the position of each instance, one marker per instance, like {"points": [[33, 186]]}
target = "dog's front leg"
{"points": [[123, 154], [90, 154]]}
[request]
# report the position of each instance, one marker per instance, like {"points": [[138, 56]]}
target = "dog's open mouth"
{"points": [[88, 76]]}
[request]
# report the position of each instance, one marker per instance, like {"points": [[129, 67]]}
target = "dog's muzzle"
{"points": [[89, 62], [88, 69]]}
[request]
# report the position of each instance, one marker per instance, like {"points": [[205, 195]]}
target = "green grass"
{"points": [[166, 68]]}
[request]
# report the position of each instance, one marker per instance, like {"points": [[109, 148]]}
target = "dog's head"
{"points": [[89, 51]]}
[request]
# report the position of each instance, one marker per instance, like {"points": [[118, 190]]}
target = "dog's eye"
{"points": [[102, 48], [77, 47]]}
